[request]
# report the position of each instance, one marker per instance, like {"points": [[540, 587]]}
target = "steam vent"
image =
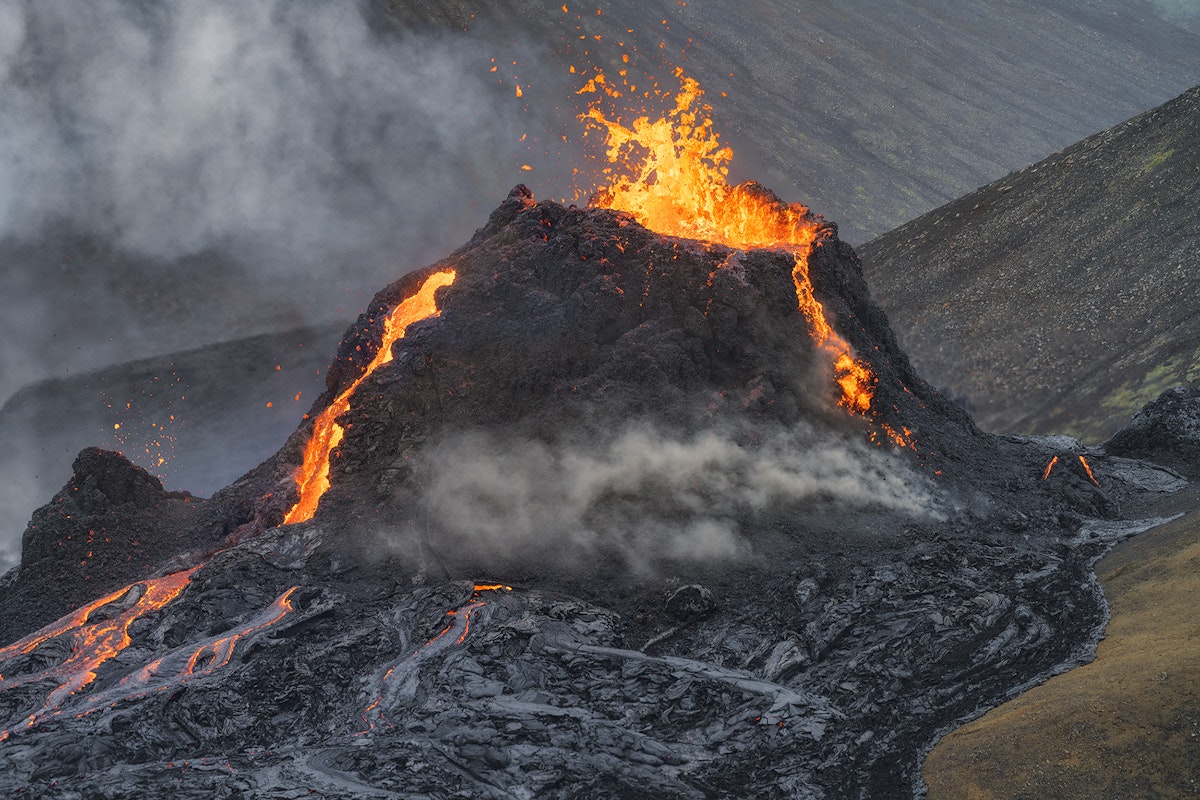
{"points": [[587, 511]]}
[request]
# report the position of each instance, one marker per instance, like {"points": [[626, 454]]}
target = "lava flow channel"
{"points": [[395, 675], [92, 643], [312, 476], [188, 662], [670, 174]]}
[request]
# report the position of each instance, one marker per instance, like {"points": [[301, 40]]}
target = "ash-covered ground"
{"points": [[599, 528]]}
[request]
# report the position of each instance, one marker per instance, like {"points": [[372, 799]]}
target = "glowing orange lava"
{"points": [[1050, 468], [92, 644], [1088, 469], [312, 476], [670, 174], [189, 662]]}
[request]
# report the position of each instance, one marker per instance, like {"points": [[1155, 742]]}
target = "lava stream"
{"points": [[100, 642], [1088, 469], [92, 644], [396, 674], [1050, 468], [191, 661], [312, 476]]}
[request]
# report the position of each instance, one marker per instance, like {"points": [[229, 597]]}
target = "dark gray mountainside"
{"points": [[1063, 296], [597, 529]]}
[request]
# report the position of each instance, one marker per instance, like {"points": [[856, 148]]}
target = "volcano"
{"points": [[597, 512]]}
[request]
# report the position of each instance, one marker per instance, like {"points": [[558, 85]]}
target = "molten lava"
{"points": [[184, 664], [670, 174], [92, 644], [1088, 469], [312, 476], [1050, 468], [96, 643]]}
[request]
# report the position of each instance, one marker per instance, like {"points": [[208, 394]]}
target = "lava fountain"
{"points": [[671, 175]]}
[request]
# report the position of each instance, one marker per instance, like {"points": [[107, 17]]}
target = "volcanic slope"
{"points": [[196, 419], [1126, 724], [598, 523], [1061, 297]]}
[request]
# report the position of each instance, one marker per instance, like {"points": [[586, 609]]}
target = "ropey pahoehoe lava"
{"points": [[639, 499]]}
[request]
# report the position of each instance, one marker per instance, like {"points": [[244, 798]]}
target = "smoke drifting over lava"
{"points": [[646, 495]]}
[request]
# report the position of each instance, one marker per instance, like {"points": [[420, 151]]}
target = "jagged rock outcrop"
{"points": [[1166, 431], [111, 524]]}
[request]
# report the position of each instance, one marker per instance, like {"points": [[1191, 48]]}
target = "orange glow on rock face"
{"points": [[1088, 469], [671, 175], [312, 476]]}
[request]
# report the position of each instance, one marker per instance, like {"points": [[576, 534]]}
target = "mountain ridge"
{"points": [[1056, 298]]}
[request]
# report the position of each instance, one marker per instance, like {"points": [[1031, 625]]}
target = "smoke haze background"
{"points": [[178, 173], [175, 173]]}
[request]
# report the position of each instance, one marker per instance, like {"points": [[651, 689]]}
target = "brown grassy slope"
{"points": [[1060, 298], [1126, 725]]}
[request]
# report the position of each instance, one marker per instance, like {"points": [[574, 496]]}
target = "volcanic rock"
{"points": [[1060, 298], [690, 602], [109, 526], [1165, 431], [476, 608]]}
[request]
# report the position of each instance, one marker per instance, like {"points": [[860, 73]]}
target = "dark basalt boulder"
{"points": [[1166, 431]]}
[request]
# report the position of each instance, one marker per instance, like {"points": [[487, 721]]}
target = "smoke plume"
{"points": [[176, 173], [646, 495]]}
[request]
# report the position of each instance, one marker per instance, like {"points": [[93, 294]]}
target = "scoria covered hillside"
{"points": [[585, 511], [1061, 297]]}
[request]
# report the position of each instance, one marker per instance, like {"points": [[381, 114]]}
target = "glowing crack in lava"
{"points": [[395, 679], [312, 476], [670, 174], [1088, 469], [1049, 468], [92, 643]]}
